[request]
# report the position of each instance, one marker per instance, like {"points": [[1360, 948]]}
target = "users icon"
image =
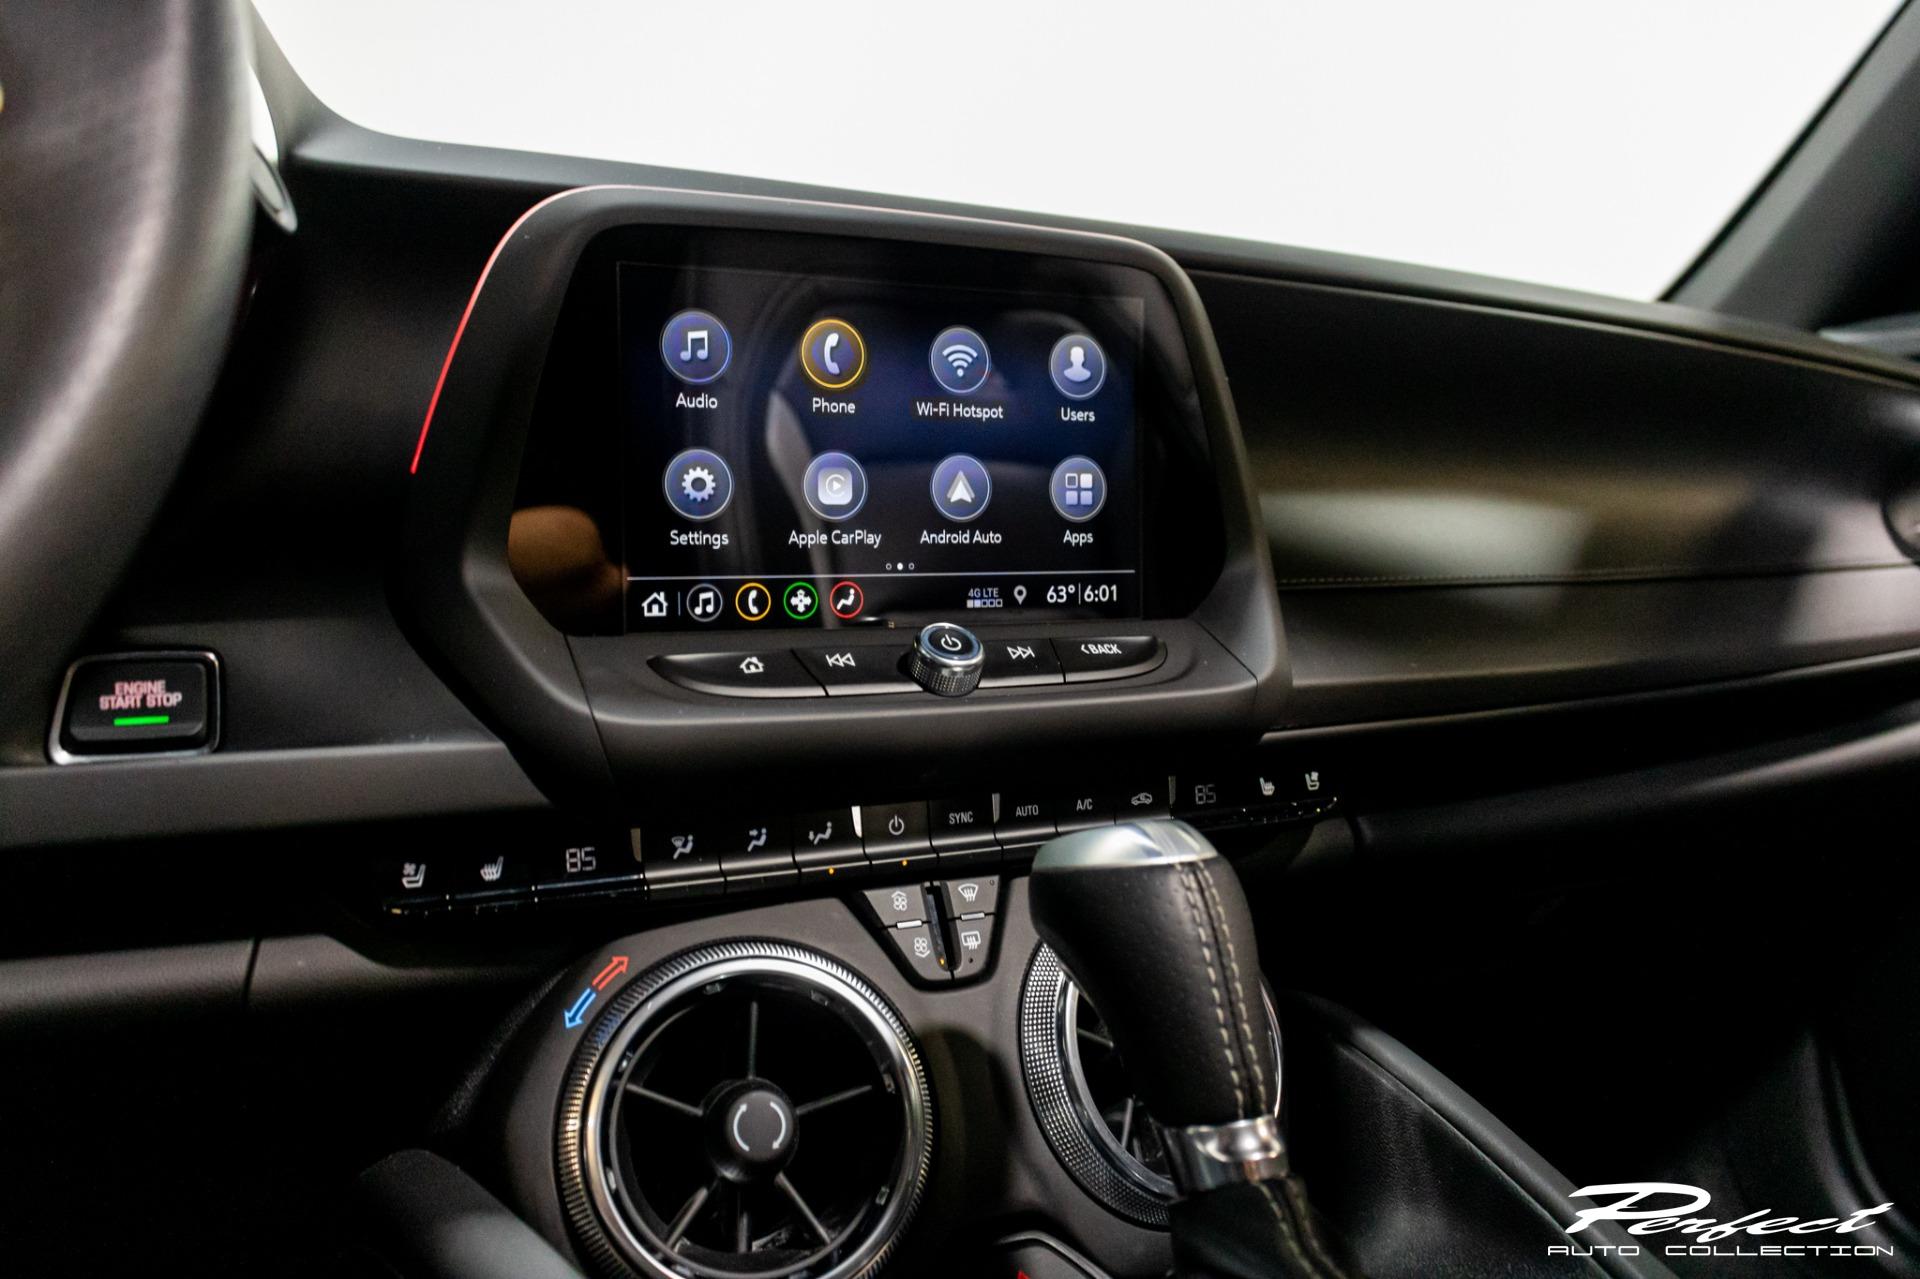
{"points": [[1078, 365]]}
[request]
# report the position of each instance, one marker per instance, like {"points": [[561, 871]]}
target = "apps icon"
{"points": [[800, 601], [961, 487], [833, 355], [1078, 489], [835, 486], [1078, 365], [696, 347], [960, 360], [698, 484], [753, 602]]}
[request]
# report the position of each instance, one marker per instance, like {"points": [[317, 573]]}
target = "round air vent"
{"points": [[744, 1109], [1084, 1098]]}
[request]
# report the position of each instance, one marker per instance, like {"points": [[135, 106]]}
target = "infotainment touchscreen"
{"points": [[805, 450]]}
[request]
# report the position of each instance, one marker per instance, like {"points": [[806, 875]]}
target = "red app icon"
{"points": [[847, 600]]}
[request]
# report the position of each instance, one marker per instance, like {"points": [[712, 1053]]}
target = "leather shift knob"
{"points": [[1151, 922]]}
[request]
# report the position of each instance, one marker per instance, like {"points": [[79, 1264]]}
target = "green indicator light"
{"points": [[137, 721]]}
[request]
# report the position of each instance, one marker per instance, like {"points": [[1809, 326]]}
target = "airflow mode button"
{"points": [[1108, 656]]}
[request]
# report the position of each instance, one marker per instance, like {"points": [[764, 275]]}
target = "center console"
{"points": [[821, 566]]}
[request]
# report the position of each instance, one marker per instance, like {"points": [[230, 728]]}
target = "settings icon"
{"points": [[698, 484]]}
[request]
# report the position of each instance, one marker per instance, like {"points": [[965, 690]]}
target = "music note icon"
{"points": [[703, 602], [695, 347]]}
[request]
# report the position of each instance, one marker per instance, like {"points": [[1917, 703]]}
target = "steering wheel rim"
{"points": [[124, 218]]}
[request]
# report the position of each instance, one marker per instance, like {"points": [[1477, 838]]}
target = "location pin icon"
{"points": [[1019, 595]]}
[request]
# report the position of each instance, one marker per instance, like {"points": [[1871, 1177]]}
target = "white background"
{"points": [[1597, 146]]}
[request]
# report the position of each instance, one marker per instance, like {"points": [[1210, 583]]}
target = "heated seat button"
{"points": [[1014, 662], [772, 672], [1108, 656], [125, 705], [497, 871], [413, 883]]}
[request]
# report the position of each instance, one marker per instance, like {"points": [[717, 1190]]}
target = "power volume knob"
{"points": [[947, 660]]}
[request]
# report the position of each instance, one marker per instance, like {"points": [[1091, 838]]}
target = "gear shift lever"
{"points": [[1151, 922]]}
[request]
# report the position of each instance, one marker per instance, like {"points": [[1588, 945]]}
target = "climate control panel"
{"points": [[749, 852]]}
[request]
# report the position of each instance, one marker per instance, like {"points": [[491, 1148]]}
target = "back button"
{"points": [[1108, 656]]}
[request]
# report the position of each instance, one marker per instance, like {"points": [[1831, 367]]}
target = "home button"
{"points": [[772, 672]]}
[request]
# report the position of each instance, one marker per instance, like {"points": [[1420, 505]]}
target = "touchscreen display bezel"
{"points": [[580, 426]]}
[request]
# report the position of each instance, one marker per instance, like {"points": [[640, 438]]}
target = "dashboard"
{"points": [[624, 635], [752, 454]]}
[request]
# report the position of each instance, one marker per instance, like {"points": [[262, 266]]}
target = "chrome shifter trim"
{"points": [[1208, 1156], [1161, 841]]}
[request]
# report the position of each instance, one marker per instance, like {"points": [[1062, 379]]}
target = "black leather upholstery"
{"points": [[1253, 1232], [1415, 1178], [124, 213], [433, 1221], [1165, 950]]}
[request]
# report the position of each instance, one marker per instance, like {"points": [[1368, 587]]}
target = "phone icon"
{"points": [[833, 355], [753, 602]]}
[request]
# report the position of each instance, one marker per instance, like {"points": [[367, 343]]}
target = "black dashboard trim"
{"points": [[587, 730]]}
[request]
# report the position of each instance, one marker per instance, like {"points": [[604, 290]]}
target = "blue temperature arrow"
{"points": [[578, 1013]]}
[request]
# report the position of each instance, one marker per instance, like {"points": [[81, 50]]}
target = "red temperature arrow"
{"points": [[615, 966]]}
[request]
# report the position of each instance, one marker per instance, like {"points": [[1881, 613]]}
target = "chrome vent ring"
{"points": [[744, 1109], [1084, 1101]]}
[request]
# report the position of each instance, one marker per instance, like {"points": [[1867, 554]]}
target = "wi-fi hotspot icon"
{"points": [[960, 356]]}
